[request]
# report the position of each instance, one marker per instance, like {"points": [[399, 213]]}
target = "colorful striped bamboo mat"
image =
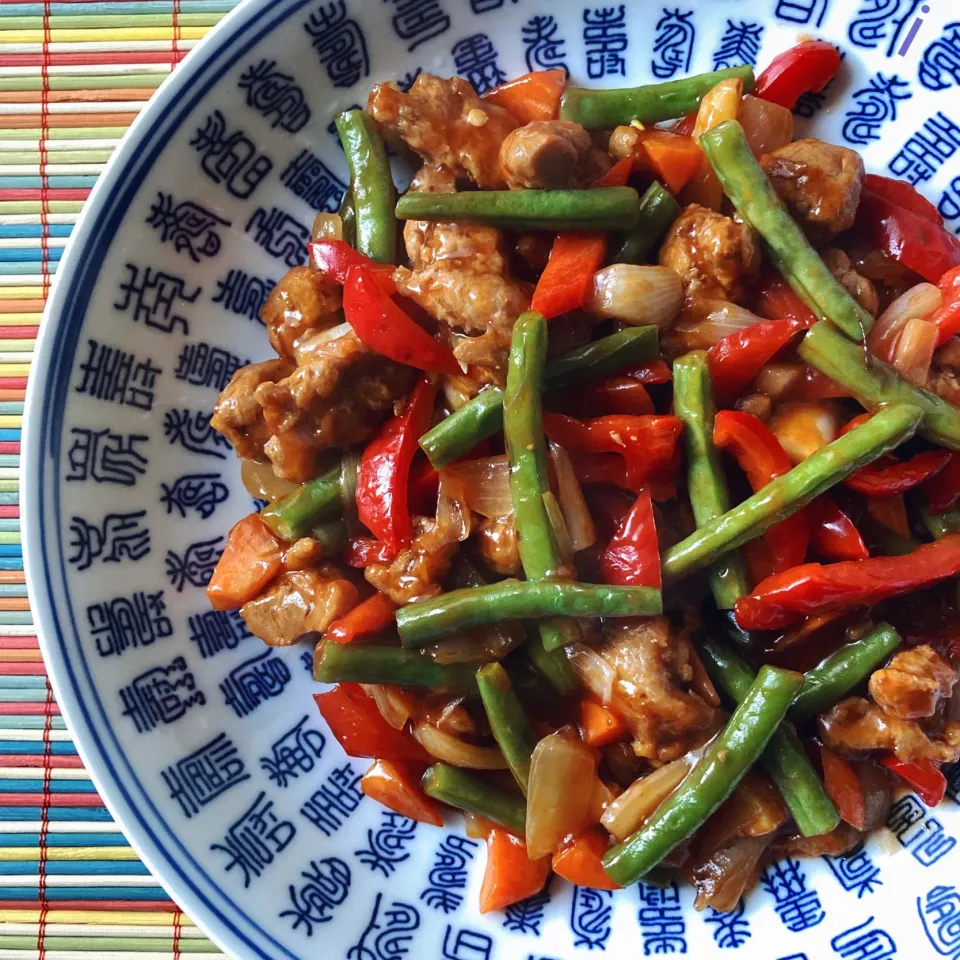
{"points": [[73, 75]]}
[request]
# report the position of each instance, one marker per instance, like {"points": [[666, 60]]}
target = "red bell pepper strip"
{"points": [[382, 326], [424, 487], [818, 386], [762, 459], [814, 588], [842, 784], [926, 778], [810, 65], [890, 512], [534, 96], [943, 488], [250, 560], [384, 475], [356, 723], [397, 787], [833, 534], [917, 243], [335, 258], [510, 875], [653, 371], [887, 481], [360, 552], [737, 358], [685, 126], [632, 557], [611, 469], [904, 195], [622, 395], [947, 317], [774, 300], [376, 613]]}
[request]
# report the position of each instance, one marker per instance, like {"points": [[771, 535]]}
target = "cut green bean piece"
{"points": [[829, 682], [602, 208], [332, 535], [553, 666], [940, 525], [348, 218], [650, 103], [455, 435], [873, 383], [296, 514], [730, 755], [707, 486], [783, 497], [426, 620], [466, 791], [748, 187], [658, 210], [508, 721]]}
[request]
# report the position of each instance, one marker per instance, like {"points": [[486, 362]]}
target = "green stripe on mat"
{"points": [[83, 82], [99, 20], [115, 944]]}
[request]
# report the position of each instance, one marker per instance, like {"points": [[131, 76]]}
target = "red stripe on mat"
{"points": [[42, 194], [19, 643], [22, 670], [29, 709], [47, 799], [13, 383], [18, 333], [67, 762]]}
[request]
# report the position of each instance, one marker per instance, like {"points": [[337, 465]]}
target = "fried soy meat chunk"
{"points": [[859, 287], [417, 571], [447, 124], [714, 255], [304, 302], [497, 545], [551, 155], [820, 184], [336, 399], [238, 414], [913, 683]]}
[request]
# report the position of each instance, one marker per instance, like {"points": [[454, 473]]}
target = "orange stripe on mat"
{"points": [[75, 96], [26, 121], [14, 603], [12, 576]]}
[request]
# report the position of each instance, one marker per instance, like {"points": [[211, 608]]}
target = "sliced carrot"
{"points": [[376, 613], [599, 725], [843, 787], [534, 96], [674, 159], [250, 560], [510, 875], [397, 786], [579, 861]]}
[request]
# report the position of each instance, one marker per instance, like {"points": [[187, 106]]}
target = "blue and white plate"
{"points": [[205, 743]]}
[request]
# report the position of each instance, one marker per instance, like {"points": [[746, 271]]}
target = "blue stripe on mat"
{"points": [[11, 563], [36, 786], [163, 6], [84, 893], [8, 254], [73, 868], [10, 433], [78, 182], [34, 266], [11, 550], [32, 723], [10, 406], [64, 840], [33, 229], [18, 618], [84, 814], [13, 590], [35, 748]]}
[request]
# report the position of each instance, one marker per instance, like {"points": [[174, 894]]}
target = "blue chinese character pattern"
{"points": [[215, 736]]}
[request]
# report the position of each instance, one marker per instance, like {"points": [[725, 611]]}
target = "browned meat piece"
{"points": [[858, 286], [447, 124], [297, 602], [842, 838], [302, 553], [238, 414], [913, 683], [497, 543], [855, 724], [820, 184], [303, 302], [944, 376], [551, 155], [712, 253], [417, 571], [336, 399], [652, 688]]}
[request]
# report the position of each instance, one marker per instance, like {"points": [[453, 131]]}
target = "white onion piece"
{"points": [[327, 226], [559, 792], [262, 483], [711, 321], [768, 126], [450, 750], [595, 673], [395, 705], [325, 336], [914, 351], [918, 302], [580, 525], [628, 812], [485, 485], [803, 428], [638, 295], [560, 532]]}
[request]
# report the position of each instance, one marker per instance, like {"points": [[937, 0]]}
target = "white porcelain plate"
{"points": [[206, 744]]}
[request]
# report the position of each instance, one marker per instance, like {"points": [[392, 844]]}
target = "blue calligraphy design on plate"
{"points": [[919, 831], [405, 83], [418, 21], [387, 845], [543, 44], [275, 95], [243, 294], [161, 695], [125, 623], [855, 870], [731, 930], [329, 807], [106, 457], [255, 681], [387, 934], [279, 233], [191, 228], [952, 773], [112, 374], [488, 6], [448, 875], [153, 297], [295, 753], [205, 774], [661, 921], [255, 839], [231, 159], [881, 22], [195, 566], [191, 430], [527, 915], [214, 631], [797, 907], [326, 887], [940, 63], [200, 492], [118, 537], [876, 104], [802, 11], [466, 944], [204, 365], [310, 179], [927, 150], [740, 45], [339, 43], [939, 912], [306, 659], [475, 58], [864, 942], [605, 41], [673, 43], [590, 915]]}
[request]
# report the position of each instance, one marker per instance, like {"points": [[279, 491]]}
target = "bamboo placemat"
{"points": [[73, 75]]}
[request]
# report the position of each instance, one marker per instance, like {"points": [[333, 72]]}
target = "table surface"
{"points": [[73, 75]]}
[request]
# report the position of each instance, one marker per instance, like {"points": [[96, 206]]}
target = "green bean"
{"points": [[784, 496], [651, 103], [553, 666], [508, 721], [707, 486], [712, 780], [785, 760], [466, 791], [873, 383], [482, 416], [830, 681], [371, 183], [940, 524], [379, 663], [296, 514], [658, 210], [602, 208], [752, 193], [332, 535], [348, 218], [426, 620]]}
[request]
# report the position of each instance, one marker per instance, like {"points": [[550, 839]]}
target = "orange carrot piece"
{"points": [[510, 875], [843, 787], [674, 159], [534, 96], [579, 861], [376, 613], [599, 725], [250, 560], [397, 786]]}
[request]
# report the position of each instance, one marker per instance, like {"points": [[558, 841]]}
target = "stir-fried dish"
{"points": [[611, 472]]}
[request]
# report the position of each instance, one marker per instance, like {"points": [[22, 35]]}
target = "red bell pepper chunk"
{"points": [[424, 487], [611, 469], [832, 533], [890, 512], [818, 386], [943, 488], [534, 96], [397, 787], [926, 778], [814, 588], [923, 246], [904, 195], [510, 875], [382, 326], [887, 481], [810, 65], [356, 723], [775, 300], [376, 613], [653, 371], [580, 860], [737, 358], [360, 552], [384, 475], [762, 459], [947, 317], [335, 258], [632, 557], [622, 395]]}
